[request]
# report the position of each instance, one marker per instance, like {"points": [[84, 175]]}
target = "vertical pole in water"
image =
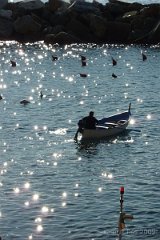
{"points": [[121, 199], [122, 215], [121, 224]]}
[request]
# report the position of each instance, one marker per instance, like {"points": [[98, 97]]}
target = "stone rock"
{"points": [[46, 13], [30, 5], [83, 18], [16, 11], [151, 11], [115, 9], [3, 3], [154, 36], [54, 5], [97, 25], [150, 37], [149, 24], [61, 38], [57, 29], [134, 7], [143, 28], [6, 14], [26, 25], [53, 30], [137, 23], [6, 28], [117, 32], [130, 14], [107, 14], [136, 35], [84, 7], [128, 17], [59, 18], [145, 24], [20, 9], [79, 30], [79, 21], [49, 38]]}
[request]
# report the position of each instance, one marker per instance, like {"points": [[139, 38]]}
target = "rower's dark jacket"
{"points": [[88, 122]]}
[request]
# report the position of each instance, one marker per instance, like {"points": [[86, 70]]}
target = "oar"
{"points": [[76, 135], [134, 130]]}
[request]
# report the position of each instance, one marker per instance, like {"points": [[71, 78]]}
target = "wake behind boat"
{"points": [[106, 127]]}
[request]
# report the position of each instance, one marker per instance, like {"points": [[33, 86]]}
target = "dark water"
{"points": [[51, 187]]}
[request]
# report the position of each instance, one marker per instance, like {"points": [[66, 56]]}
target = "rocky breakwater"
{"points": [[80, 22]]}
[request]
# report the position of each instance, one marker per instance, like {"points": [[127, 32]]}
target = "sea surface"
{"points": [[52, 188]]}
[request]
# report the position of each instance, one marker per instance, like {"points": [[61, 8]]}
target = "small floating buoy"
{"points": [[114, 62], [24, 102], [83, 75], [83, 58], [144, 57], [83, 61], [41, 95], [1, 97], [13, 63], [114, 75], [54, 58]]}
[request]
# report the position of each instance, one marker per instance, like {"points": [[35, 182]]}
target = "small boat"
{"points": [[108, 127]]}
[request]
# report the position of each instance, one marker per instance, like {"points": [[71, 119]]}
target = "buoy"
{"points": [[83, 61], [114, 62], [83, 75], [41, 94], [83, 58], [144, 57], [54, 58], [13, 63], [24, 102], [114, 76]]}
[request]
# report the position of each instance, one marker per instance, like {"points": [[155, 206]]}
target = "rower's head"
{"points": [[91, 114]]}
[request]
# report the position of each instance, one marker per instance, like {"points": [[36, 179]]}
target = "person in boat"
{"points": [[88, 122]]}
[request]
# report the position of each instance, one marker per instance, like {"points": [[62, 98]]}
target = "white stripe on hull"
{"points": [[103, 132]]}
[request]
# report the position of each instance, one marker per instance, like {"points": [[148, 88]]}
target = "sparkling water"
{"points": [[54, 188]]}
